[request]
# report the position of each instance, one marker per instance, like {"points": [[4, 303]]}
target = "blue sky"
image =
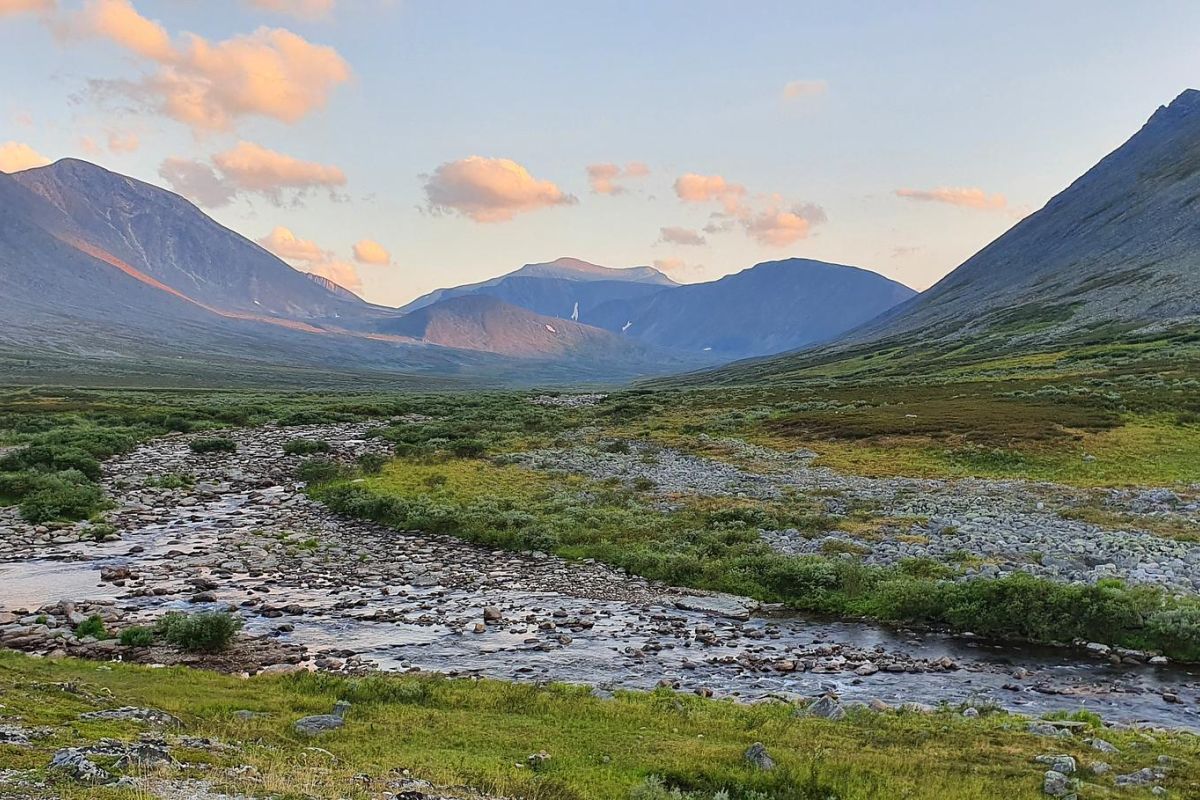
{"points": [[913, 133]]}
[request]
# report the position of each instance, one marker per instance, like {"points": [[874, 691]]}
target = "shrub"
{"points": [[137, 636], [305, 447], [467, 448], [319, 470], [92, 626], [213, 444], [61, 497], [172, 480], [372, 463], [205, 632]]}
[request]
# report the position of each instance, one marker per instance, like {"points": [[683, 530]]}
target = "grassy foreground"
{"points": [[480, 733]]}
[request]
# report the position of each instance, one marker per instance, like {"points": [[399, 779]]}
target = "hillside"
{"points": [[1114, 258]]}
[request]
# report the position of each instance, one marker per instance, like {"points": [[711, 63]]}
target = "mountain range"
{"points": [[112, 271], [115, 273]]}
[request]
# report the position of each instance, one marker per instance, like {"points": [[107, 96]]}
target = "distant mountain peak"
{"points": [[577, 269]]}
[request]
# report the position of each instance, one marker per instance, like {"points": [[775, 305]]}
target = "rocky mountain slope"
{"points": [[1116, 255]]}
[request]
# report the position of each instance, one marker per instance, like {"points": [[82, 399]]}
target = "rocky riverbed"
{"points": [[988, 528], [321, 591]]}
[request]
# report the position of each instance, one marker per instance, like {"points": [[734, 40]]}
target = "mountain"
{"points": [[336, 288], [1115, 255], [772, 307], [102, 273], [479, 322], [567, 288]]}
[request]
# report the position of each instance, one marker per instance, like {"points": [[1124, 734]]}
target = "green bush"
{"points": [[137, 636], [467, 448], [205, 632], [213, 444], [92, 626], [305, 447], [65, 496], [371, 463], [319, 470]]}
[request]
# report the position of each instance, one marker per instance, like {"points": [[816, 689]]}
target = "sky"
{"points": [[397, 146]]}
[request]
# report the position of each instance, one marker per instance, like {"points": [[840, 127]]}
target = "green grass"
{"points": [[476, 733], [714, 543]]}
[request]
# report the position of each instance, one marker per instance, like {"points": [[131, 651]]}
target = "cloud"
{"points": [[769, 219], [964, 196], [17, 156], [8, 7], [603, 177], [693, 188], [780, 227], [490, 190], [285, 244], [253, 168], [307, 256], [197, 181], [343, 273], [207, 85], [123, 142], [798, 90], [304, 9], [684, 236], [367, 251], [249, 168], [677, 267]]}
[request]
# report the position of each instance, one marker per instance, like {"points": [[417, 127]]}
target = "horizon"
{"points": [[835, 157]]}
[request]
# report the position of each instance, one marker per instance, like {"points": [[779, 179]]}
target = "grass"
{"points": [[479, 733], [714, 543]]}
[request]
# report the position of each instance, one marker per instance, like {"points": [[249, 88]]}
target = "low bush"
{"points": [[305, 447], [61, 497], [92, 626], [319, 470], [137, 636], [204, 632], [213, 444]]}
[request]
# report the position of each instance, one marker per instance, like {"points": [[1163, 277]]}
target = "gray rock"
{"points": [[756, 756], [323, 723], [74, 762]]}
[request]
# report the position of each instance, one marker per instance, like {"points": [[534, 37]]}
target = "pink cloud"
{"points": [[693, 188], [18, 156], [797, 90], [367, 251], [13, 7], [207, 85], [285, 244], [304, 9], [604, 177], [780, 227], [964, 196], [307, 256], [490, 190], [123, 142], [253, 168], [197, 181]]}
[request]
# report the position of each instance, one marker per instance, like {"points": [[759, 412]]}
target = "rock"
{"points": [[1102, 746], [826, 707], [866, 669], [970, 712], [492, 614], [1143, 777], [1058, 763], [74, 762], [726, 605], [323, 723], [537, 760], [756, 756], [1056, 784], [1099, 768]]}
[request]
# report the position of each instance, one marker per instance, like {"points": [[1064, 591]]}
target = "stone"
{"points": [[756, 756], [492, 614], [826, 707], [1058, 763], [1102, 746], [1056, 784], [74, 762], [323, 723]]}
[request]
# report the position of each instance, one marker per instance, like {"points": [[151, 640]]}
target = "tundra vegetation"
{"points": [[1084, 423]]}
